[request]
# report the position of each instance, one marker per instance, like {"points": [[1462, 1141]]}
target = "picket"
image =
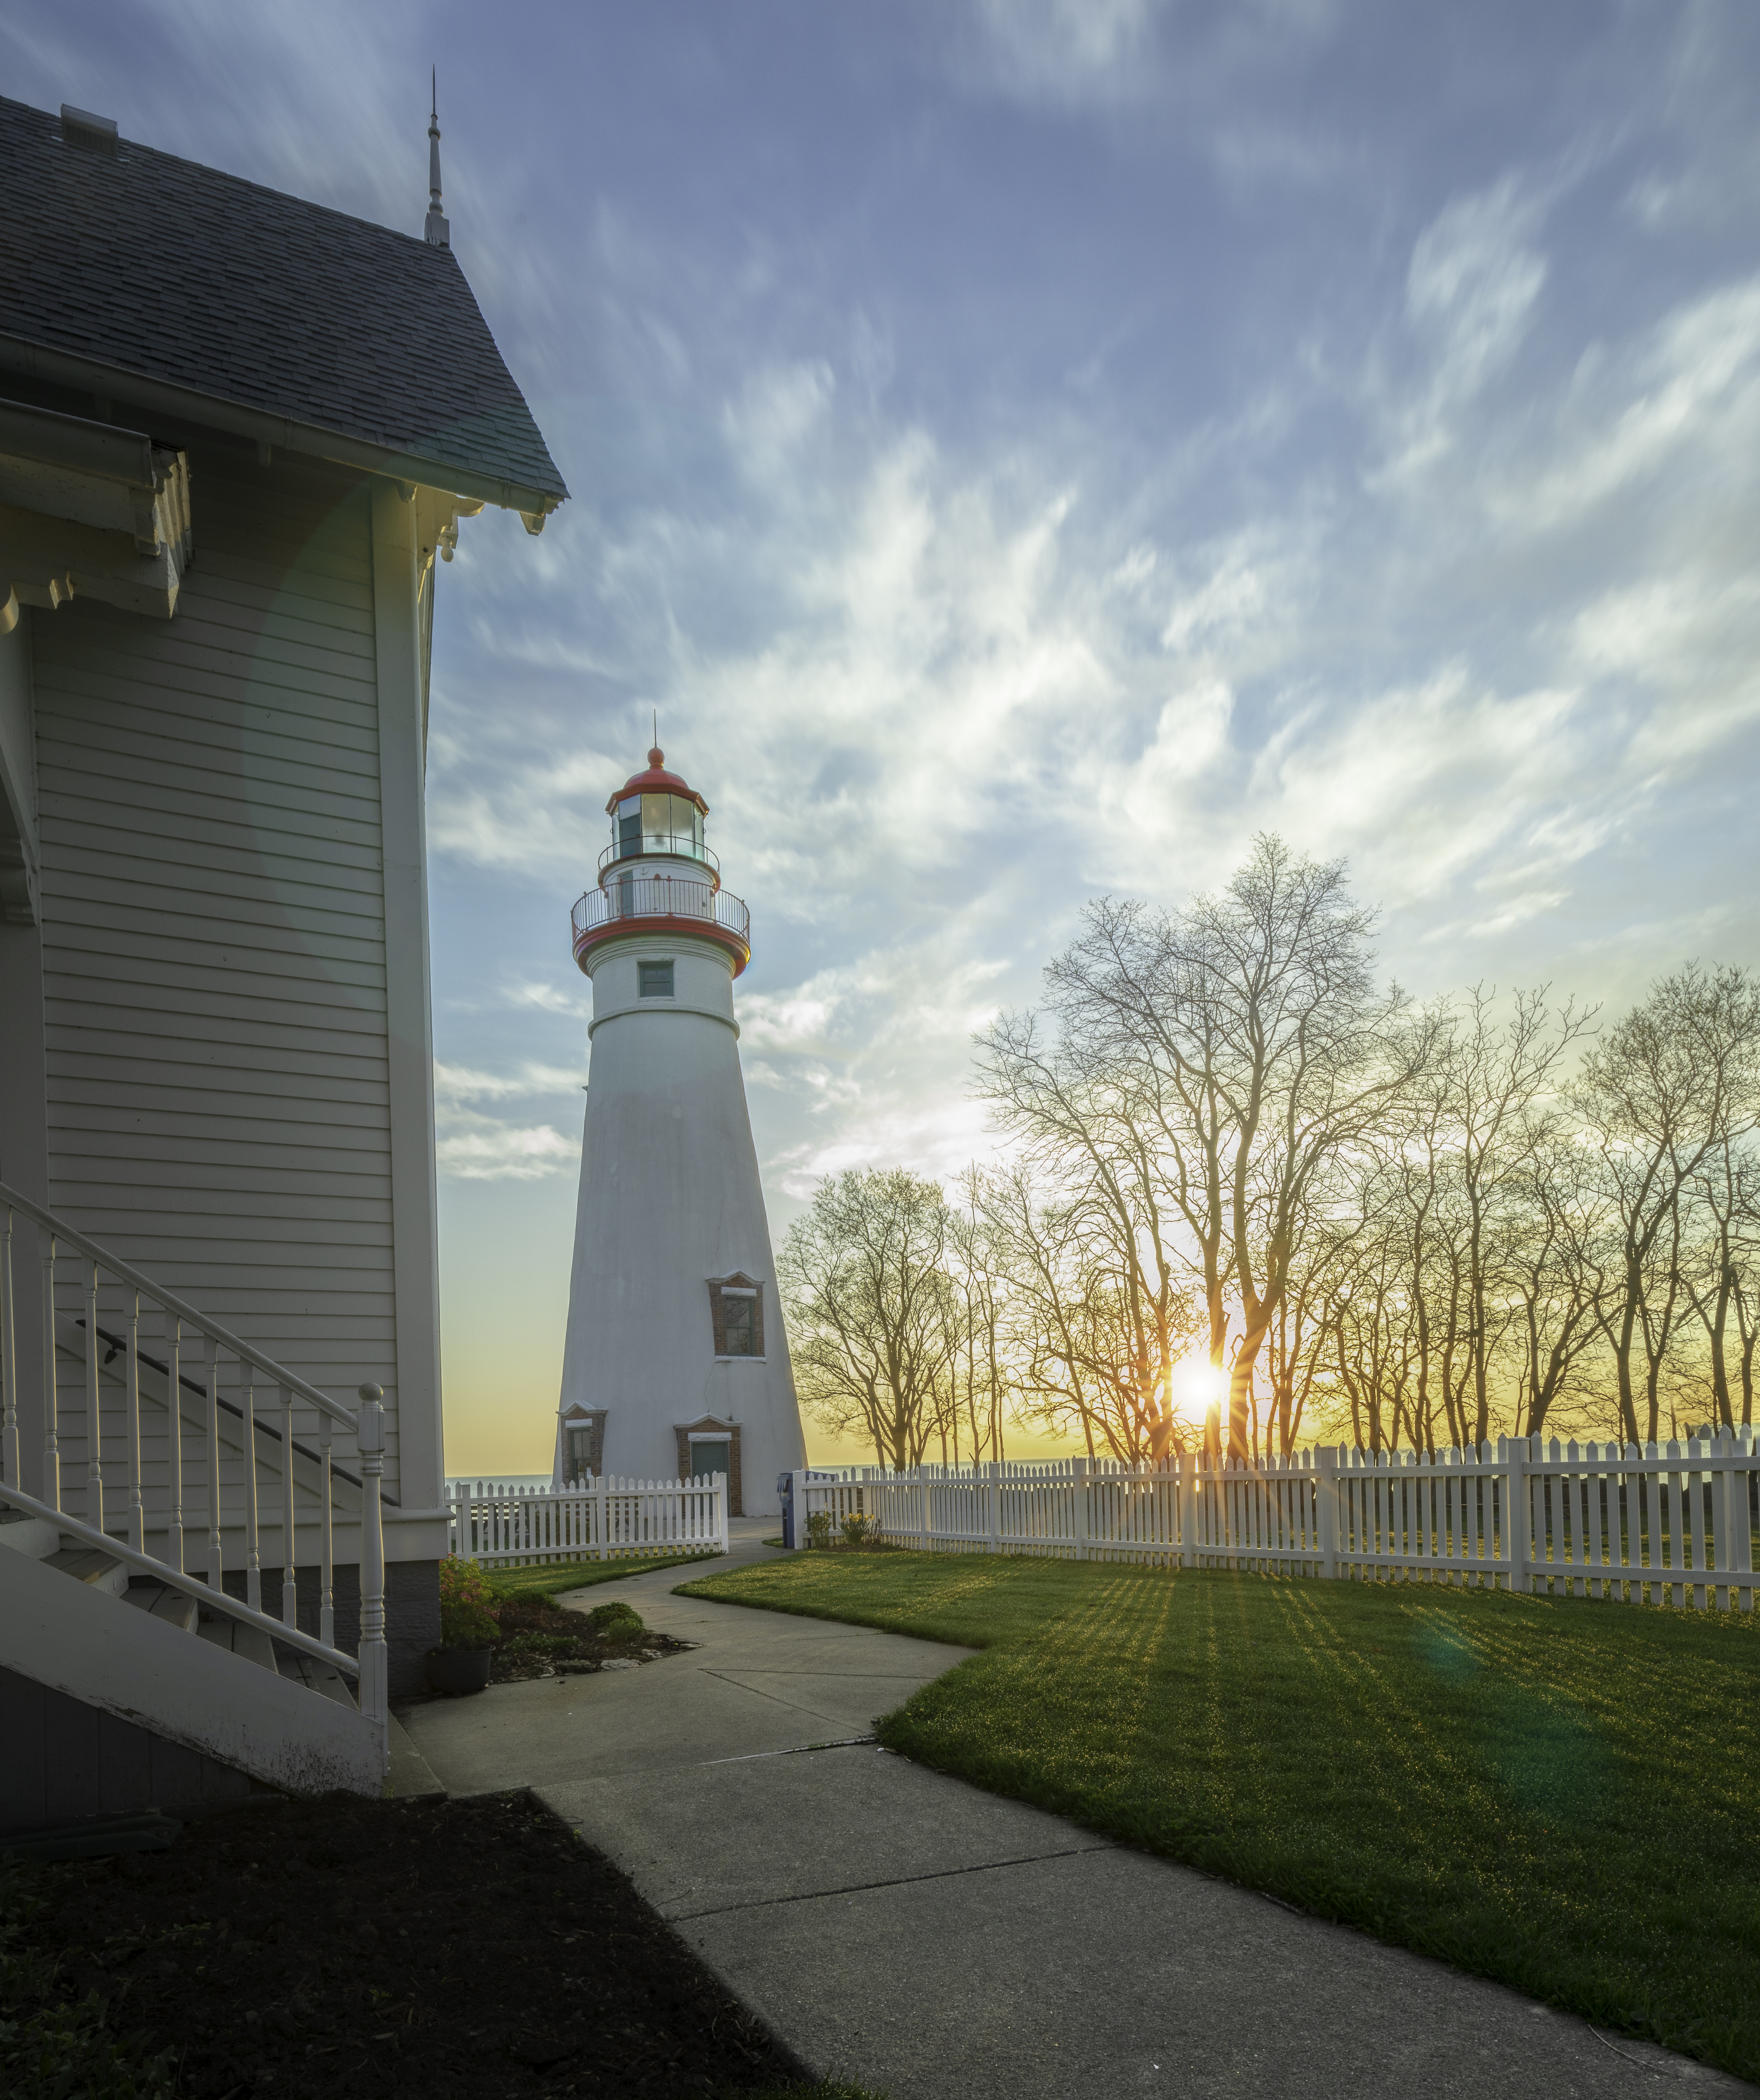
{"points": [[596, 1519], [1673, 1526]]}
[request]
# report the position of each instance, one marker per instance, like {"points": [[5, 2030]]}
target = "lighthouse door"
{"points": [[708, 1455]]}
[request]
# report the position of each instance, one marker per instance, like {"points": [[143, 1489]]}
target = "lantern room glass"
{"points": [[660, 824]]}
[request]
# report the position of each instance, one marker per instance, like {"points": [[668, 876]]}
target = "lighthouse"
{"points": [[676, 1363]]}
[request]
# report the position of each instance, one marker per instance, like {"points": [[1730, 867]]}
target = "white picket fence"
{"points": [[1663, 1524], [596, 1519]]}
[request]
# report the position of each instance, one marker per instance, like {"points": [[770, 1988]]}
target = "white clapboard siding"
{"points": [[213, 935]]}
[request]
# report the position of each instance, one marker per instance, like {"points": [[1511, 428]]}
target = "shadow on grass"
{"points": [[1553, 1792]]}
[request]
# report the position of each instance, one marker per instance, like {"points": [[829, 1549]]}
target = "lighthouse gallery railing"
{"points": [[634, 896]]}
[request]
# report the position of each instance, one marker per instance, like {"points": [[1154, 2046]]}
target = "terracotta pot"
{"points": [[457, 1671]]}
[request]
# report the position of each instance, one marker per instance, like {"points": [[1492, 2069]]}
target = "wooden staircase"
{"points": [[105, 1641]]}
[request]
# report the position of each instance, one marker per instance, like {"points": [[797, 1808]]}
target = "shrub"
{"points": [[819, 1529], [468, 1613], [615, 1621], [857, 1530]]}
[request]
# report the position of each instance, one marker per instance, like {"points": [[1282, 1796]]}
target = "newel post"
{"points": [[1326, 1507], [372, 1654]]}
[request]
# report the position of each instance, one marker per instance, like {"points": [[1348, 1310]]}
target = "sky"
{"points": [[1022, 448]]}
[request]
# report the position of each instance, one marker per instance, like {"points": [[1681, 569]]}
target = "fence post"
{"points": [[1187, 1492], [723, 1497], [800, 1499], [1080, 1513], [1326, 1507], [1513, 1452], [993, 1496], [922, 1488], [372, 1654], [1740, 1561]]}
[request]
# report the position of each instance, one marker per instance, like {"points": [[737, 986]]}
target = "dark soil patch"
{"points": [[540, 1638], [471, 1948]]}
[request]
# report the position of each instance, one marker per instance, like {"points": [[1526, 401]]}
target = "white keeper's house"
{"points": [[236, 433]]}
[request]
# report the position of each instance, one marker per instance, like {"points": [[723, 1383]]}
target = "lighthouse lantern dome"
{"points": [[657, 811]]}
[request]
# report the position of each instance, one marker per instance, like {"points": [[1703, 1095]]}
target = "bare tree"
{"points": [[1497, 1074], [1673, 1081], [1308, 1060], [874, 1320], [1076, 1332], [1106, 1257], [1238, 1047], [1555, 1266], [1720, 1275], [977, 1249]]}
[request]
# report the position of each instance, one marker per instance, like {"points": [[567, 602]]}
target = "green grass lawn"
{"points": [[551, 1579], [1558, 1794]]}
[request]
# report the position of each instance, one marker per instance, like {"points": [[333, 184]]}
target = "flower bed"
{"points": [[537, 1637]]}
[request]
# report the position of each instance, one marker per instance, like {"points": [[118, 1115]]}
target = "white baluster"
{"points": [[290, 1583], [137, 1505], [93, 1412], [51, 1440], [326, 1572], [174, 1387], [214, 1569], [9, 1450], [253, 1556]]}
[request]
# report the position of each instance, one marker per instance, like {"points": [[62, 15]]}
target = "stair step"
{"points": [[22, 1532], [320, 1677], [86, 1564], [252, 1642], [159, 1600]]}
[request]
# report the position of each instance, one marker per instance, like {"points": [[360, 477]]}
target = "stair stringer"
{"points": [[99, 1650]]}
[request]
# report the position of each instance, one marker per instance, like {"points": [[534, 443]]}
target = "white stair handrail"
{"points": [[192, 1586], [367, 1427], [171, 1302]]}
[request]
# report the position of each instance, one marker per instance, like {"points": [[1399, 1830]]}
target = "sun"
{"points": [[1194, 1386]]}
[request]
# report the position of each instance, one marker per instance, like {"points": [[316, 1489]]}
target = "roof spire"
{"points": [[436, 231]]}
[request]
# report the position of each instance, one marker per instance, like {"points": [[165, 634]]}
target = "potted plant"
{"points": [[468, 1629]]}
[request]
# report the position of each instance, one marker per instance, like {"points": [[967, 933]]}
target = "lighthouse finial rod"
{"points": [[435, 230], [656, 757]]}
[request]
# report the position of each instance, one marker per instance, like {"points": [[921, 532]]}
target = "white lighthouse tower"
{"points": [[676, 1361]]}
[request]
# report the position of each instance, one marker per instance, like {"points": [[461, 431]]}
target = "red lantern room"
{"points": [[657, 878]]}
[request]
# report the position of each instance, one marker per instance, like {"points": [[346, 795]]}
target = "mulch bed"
{"points": [[540, 1638], [425, 1948]]}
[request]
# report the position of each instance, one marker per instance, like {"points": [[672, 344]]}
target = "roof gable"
{"points": [[137, 261]]}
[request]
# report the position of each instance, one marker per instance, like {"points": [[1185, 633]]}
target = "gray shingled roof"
{"points": [[137, 261]]}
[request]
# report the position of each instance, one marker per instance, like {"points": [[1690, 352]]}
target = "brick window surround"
{"points": [[592, 1419]]}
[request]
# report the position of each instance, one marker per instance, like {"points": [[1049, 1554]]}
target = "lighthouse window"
{"points": [[736, 1314], [737, 1309], [656, 980]]}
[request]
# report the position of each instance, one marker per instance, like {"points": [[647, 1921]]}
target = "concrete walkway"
{"points": [[936, 1942]]}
